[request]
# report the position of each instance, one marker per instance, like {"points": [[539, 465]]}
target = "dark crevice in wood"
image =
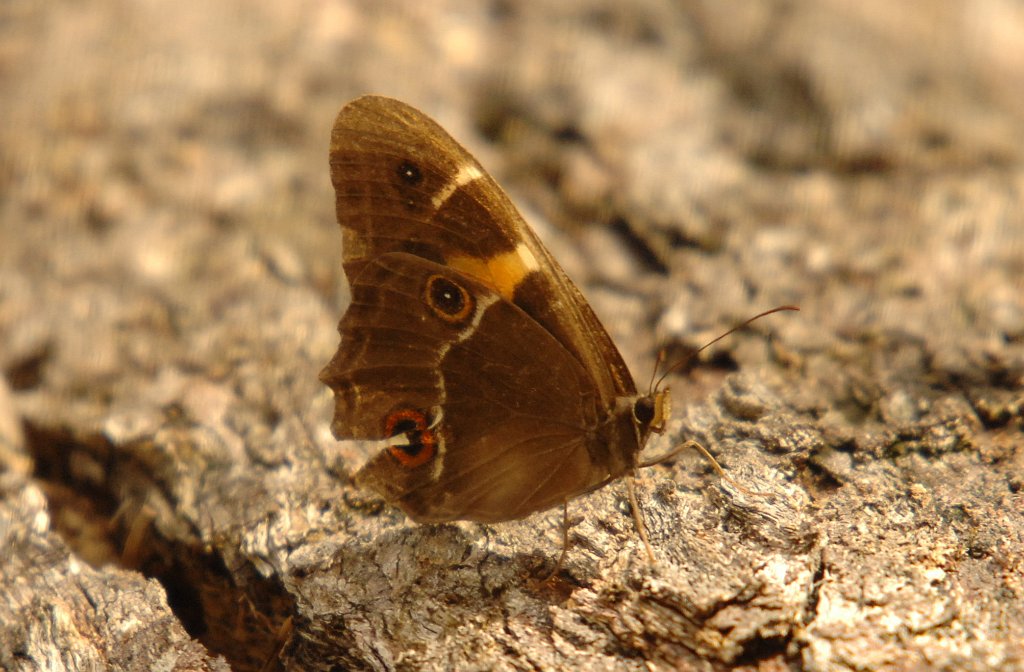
{"points": [[769, 652], [26, 373], [96, 495]]}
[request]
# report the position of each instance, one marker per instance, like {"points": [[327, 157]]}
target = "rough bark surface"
{"points": [[170, 286]]}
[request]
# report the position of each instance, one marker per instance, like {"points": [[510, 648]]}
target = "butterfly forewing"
{"points": [[403, 184], [498, 453]]}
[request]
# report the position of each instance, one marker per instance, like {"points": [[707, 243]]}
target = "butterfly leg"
{"points": [[638, 516], [565, 543], [690, 443]]}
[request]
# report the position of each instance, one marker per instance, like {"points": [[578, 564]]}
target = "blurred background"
{"points": [[860, 158], [170, 278]]}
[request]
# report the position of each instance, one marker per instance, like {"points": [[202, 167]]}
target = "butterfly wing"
{"points": [[403, 184], [445, 371]]}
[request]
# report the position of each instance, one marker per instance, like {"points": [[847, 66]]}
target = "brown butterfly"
{"points": [[466, 353]]}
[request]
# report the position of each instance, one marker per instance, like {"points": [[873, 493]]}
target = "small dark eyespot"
{"points": [[409, 173], [447, 299], [420, 441], [446, 296], [403, 426]]}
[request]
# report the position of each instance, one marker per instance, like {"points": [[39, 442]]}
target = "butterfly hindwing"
{"points": [[445, 367]]}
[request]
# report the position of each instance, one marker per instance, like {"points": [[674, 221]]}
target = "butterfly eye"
{"points": [[643, 411], [449, 301]]}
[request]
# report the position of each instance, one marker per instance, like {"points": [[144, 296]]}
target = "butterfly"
{"points": [[467, 355]]}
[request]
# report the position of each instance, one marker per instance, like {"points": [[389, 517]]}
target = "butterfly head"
{"points": [[648, 414], [651, 412]]}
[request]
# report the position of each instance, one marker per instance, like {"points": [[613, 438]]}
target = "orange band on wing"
{"points": [[503, 272]]}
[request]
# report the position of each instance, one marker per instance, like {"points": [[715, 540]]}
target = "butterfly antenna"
{"points": [[686, 360], [654, 373]]}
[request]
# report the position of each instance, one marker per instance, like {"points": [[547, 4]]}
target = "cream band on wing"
{"points": [[503, 272], [466, 174]]}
